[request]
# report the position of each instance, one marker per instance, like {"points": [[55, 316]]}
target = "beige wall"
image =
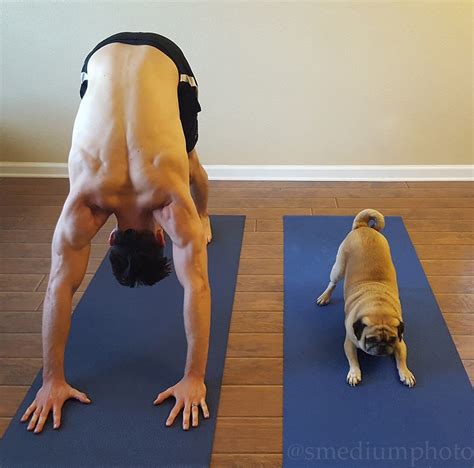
{"points": [[280, 83]]}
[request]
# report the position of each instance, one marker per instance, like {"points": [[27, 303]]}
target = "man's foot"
{"points": [[206, 226]]}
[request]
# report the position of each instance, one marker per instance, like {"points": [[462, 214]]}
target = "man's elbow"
{"points": [[200, 287]]}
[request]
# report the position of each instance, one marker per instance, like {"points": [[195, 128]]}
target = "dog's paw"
{"points": [[407, 377], [354, 377], [323, 299]]}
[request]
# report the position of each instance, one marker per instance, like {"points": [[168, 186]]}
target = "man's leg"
{"points": [[199, 184]]}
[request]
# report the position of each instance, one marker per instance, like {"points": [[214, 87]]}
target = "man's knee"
{"points": [[195, 168], [193, 162]]}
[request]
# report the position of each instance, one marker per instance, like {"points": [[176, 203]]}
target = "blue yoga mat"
{"points": [[125, 346], [381, 422]]}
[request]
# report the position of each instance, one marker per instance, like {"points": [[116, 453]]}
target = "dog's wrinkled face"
{"points": [[378, 335]]}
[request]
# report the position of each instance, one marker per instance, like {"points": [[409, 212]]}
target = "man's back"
{"points": [[128, 144]]}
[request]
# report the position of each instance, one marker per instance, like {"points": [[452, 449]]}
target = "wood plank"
{"points": [[263, 212], [456, 303], [34, 211], [454, 225], [340, 192], [19, 282], [464, 345], [20, 345], [258, 301], [448, 267], [251, 371], [273, 202], [236, 460], [37, 181], [14, 199], [441, 238], [253, 345], [23, 222], [248, 435], [261, 266], [24, 235], [10, 399], [460, 324], [253, 400], [4, 423], [20, 301], [441, 202], [51, 189], [20, 322], [43, 236], [19, 371], [259, 283], [250, 225], [23, 250], [448, 252], [263, 238], [37, 265], [262, 251], [469, 366], [312, 184], [269, 225], [452, 284], [251, 322], [442, 184]]}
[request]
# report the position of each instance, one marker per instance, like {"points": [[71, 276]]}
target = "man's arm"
{"points": [[190, 261], [182, 223], [69, 256]]}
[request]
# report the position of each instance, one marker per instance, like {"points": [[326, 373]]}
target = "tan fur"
{"points": [[370, 293]]}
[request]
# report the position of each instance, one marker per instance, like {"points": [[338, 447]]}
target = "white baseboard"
{"points": [[283, 172]]}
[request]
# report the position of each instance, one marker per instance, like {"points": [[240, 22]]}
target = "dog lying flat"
{"points": [[373, 314]]}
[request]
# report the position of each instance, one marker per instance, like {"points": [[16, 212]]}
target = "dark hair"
{"points": [[137, 258]]}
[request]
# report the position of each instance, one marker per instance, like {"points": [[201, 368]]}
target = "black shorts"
{"points": [[187, 86]]}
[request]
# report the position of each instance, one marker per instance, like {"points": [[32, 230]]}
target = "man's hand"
{"points": [[51, 396], [190, 393]]}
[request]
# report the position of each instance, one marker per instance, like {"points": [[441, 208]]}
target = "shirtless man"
{"points": [[132, 156]]}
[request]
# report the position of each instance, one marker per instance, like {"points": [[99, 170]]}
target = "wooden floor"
{"points": [[439, 217]]}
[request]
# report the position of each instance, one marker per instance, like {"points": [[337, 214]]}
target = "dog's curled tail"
{"points": [[366, 216]]}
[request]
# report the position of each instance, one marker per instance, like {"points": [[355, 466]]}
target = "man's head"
{"points": [[137, 257]]}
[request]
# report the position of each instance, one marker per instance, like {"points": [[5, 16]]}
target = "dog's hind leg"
{"points": [[337, 273]]}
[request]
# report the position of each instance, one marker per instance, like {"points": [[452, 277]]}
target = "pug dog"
{"points": [[373, 314]]}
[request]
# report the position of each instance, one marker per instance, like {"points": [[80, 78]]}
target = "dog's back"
{"points": [[368, 252]]}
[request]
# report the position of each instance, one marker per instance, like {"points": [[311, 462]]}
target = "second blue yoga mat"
{"points": [[125, 346], [380, 423]]}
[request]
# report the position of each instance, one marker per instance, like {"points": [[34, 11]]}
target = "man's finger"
{"points": [[28, 411], [56, 416], [174, 412], [34, 418], [42, 419], [195, 414], [205, 409], [82, 397], [186, 413], [163, 396]]}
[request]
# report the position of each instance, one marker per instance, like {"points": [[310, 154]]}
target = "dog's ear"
{"points": [[401, 329], [358, 326]]}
